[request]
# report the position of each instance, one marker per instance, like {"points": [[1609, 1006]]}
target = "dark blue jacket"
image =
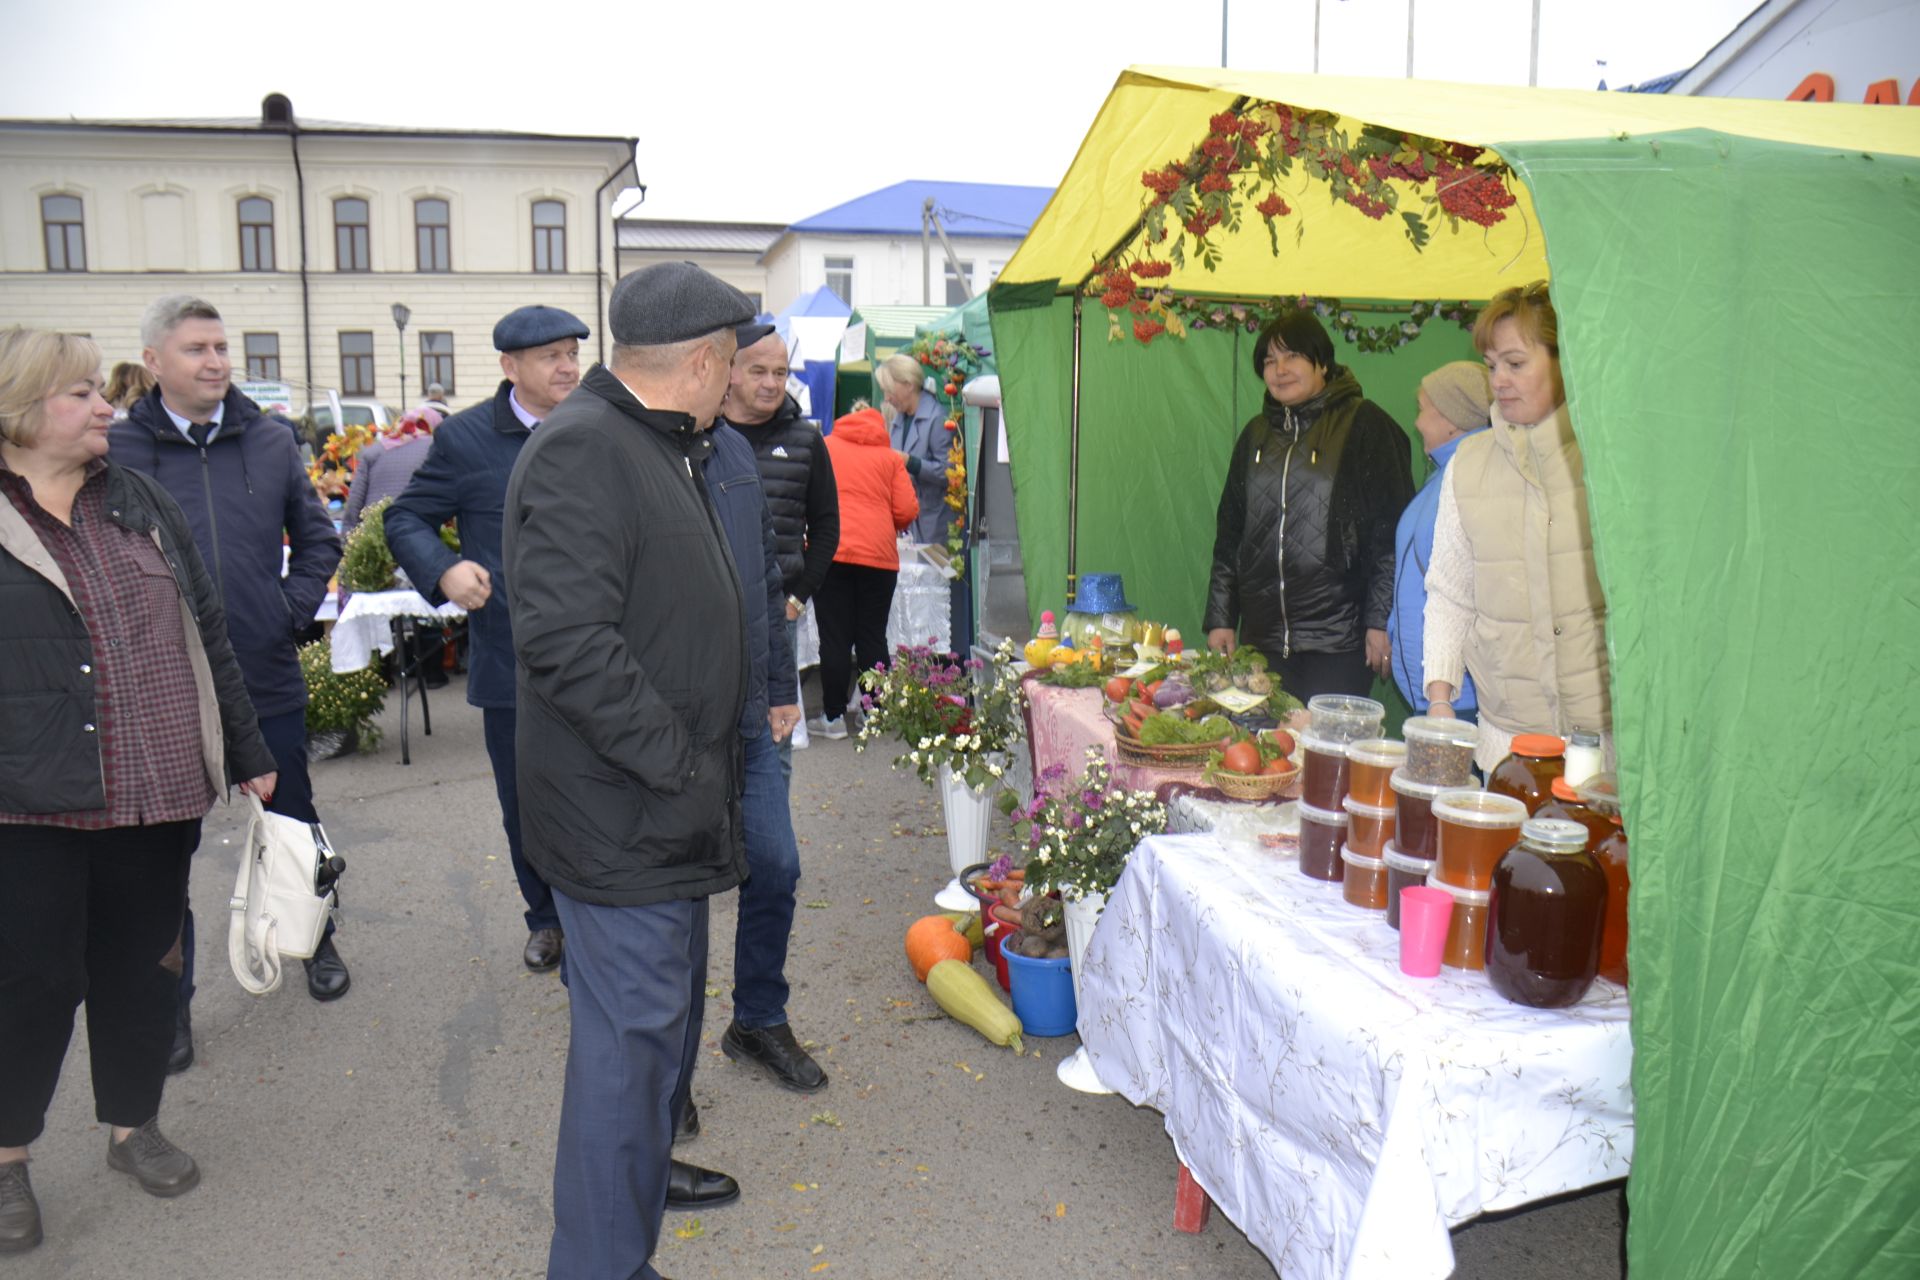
{"points": [[245, 495], [465, 478], [733, 481]]}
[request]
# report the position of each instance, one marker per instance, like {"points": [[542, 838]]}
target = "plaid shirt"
{"points": [[146, 710]]}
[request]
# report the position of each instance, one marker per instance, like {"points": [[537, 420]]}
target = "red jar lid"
{"points": [[1541, 745], [1564, 790]]}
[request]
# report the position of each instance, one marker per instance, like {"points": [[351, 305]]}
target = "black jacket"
{"points": [[1303, 541], [798, 475], [738, 494], [630, 630], [241, 494], [465, 478], [49, 758]]}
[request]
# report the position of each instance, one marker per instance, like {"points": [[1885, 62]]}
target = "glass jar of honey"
{"points": [[1566, 803], [1322, 831], [1471, 830], [1370, 766], [1527, 775], [1547, 911], [1601, 793]]}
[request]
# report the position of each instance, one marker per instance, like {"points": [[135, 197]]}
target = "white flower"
{"points": [[1043, 856], [995, 770], [925, 743], [1135, 827], [914, 756]]}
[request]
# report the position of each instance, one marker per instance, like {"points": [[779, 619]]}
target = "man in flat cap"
{"points": [[629, 622], [464, 478]]}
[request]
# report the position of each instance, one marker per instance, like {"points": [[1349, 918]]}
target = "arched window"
{"points": [[256, 234], [64, 224], [549, 235]]}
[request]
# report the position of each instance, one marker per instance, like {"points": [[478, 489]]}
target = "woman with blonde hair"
{"points": [[128, 382], [916, 423], [1512, 594], [126, 717]]}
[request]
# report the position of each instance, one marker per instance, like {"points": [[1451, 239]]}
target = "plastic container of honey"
{"points": [[1402, 872], [1321, 833], [1440, 751], [1471, 830], [1323, 774], [1369, 827], [1364, 882], [1370, 766], [1467, 933], [1413, 809]]}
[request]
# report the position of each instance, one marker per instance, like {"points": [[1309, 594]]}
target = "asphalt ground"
{"points": [[407, 1130]]}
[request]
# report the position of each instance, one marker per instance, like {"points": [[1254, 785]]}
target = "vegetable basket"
{"points": [[1177, 755], [1255, 786]]}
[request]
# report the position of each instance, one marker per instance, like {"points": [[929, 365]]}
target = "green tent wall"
{"points": [[1740, 319]]}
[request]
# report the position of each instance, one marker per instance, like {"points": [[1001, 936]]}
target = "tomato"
{"points": [[1151, 689], [1278, 765], [1282, 741], [1241, 757], [1118, 688]]}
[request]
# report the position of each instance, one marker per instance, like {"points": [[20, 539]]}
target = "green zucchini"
{"points": [[965, 997]]}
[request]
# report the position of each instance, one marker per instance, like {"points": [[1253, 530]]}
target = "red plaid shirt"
{"points": [[146, 710]]}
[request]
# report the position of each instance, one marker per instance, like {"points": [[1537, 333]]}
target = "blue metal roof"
{"points": [[965, 209], [1658, 84]]}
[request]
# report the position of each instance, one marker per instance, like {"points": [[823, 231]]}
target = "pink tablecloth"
{"points": [[1065, 722]]}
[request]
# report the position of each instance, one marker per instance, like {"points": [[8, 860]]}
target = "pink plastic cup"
{"points": [[1425, 914]]}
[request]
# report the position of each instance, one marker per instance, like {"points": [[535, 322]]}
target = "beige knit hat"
{"points": [[1460, 392]]}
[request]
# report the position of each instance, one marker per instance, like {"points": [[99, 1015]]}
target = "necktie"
{"points": [[200, 431]]}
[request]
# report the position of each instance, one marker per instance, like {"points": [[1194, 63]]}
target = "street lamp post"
{"points": [[400, 317]]}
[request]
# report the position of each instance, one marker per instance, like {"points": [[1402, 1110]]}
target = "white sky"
{"points": [[753, 110]]}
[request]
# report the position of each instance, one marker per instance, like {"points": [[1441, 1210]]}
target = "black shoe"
{"points": [[689, 1126], [161, 1168], [19, 1211], [775, 1049], [182, 1056], [691, 1187], [543, 949], [327, 977]]}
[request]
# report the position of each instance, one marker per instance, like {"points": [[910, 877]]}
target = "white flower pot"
{"points": [[1082, 913], [969, 818]]}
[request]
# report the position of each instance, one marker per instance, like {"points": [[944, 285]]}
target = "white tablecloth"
{"points": [[922, 608], [1342, 1114], [366, 624]]}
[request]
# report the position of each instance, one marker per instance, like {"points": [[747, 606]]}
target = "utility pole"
{"points": [[1316, 37], [1223, 33], [1409, 39], [1533, 56]]}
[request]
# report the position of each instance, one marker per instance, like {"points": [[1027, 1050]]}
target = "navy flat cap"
{"points": [[675, 302], [536, 326]]}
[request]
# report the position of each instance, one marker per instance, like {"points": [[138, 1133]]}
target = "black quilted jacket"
{"points": [[1303, 543], [801, 495]]}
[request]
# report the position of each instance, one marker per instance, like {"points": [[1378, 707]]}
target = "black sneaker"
{"points": [[182, 1056], [19, 1211], [775, 1049]]}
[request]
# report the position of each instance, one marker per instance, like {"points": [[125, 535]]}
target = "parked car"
{"points": [[353, 413]]}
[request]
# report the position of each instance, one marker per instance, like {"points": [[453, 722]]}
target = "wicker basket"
{"points": [[1254, 786], [1182, 755]]}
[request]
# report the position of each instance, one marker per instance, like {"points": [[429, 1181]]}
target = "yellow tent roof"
{"points": [[1157, 114]]}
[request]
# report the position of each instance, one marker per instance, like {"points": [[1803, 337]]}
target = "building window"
{"points": [[350, 235], [66, 236], [432, 233], [356, 363], [957, 285], [263, 356], [549, 235], [994, 267], [840, 278], [256, 234], [436, 360]]}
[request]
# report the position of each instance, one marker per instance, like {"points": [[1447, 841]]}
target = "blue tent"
{"points": [[813, 323]]}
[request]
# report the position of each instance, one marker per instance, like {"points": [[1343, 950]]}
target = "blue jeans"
{"points": [[636, 987], [498, 725], [766, 899], [286, 736]]}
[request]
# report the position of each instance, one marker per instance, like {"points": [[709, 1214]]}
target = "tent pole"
{"points": [[1073, 466]]}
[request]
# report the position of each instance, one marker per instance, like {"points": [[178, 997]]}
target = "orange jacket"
{"points": [[876, 496]]}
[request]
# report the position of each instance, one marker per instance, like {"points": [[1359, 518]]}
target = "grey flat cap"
{"points": [[674, 302], [536, 326]]}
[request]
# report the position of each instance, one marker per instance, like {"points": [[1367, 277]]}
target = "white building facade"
{"points": [[879, 269], [305, 236]]}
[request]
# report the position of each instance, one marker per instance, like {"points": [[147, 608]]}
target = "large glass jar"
{"points": [[1601, 793], [1547, 911], [1527, 775], [1114, 629], [1566, 803]]}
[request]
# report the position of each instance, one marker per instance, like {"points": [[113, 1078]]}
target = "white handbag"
{"points": [[281, 898]]}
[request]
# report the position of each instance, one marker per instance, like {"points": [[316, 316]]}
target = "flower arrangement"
{"points": [[365, 562], [340, 455], [951, 362], [922, 699], [1079, 835], [341, 701]]}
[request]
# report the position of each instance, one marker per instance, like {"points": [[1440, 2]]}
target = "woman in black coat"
{"points": [[1303, 540]]}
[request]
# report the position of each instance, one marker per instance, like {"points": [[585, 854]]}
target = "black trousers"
{"points": [[1305, 675], [851, 607], [89, 916]]}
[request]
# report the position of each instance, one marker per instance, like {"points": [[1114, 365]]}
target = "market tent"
{"points": [[876, 332], [1738, 285]]}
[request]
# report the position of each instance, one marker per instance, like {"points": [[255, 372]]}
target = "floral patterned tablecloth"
{"points": [[1341, 1113]]}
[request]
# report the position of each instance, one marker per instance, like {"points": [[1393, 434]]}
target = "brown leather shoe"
{"points": [[544, 947], [162, 1168], [19, 1211]]}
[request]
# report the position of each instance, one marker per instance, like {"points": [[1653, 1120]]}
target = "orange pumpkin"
{"points": [[932, 939]]}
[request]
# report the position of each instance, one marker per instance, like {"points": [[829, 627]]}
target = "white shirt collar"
{"points": [[185, 427], [527, 420]]}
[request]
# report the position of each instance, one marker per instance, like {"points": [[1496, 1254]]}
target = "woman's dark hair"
{"points": [[1296, 331]]}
